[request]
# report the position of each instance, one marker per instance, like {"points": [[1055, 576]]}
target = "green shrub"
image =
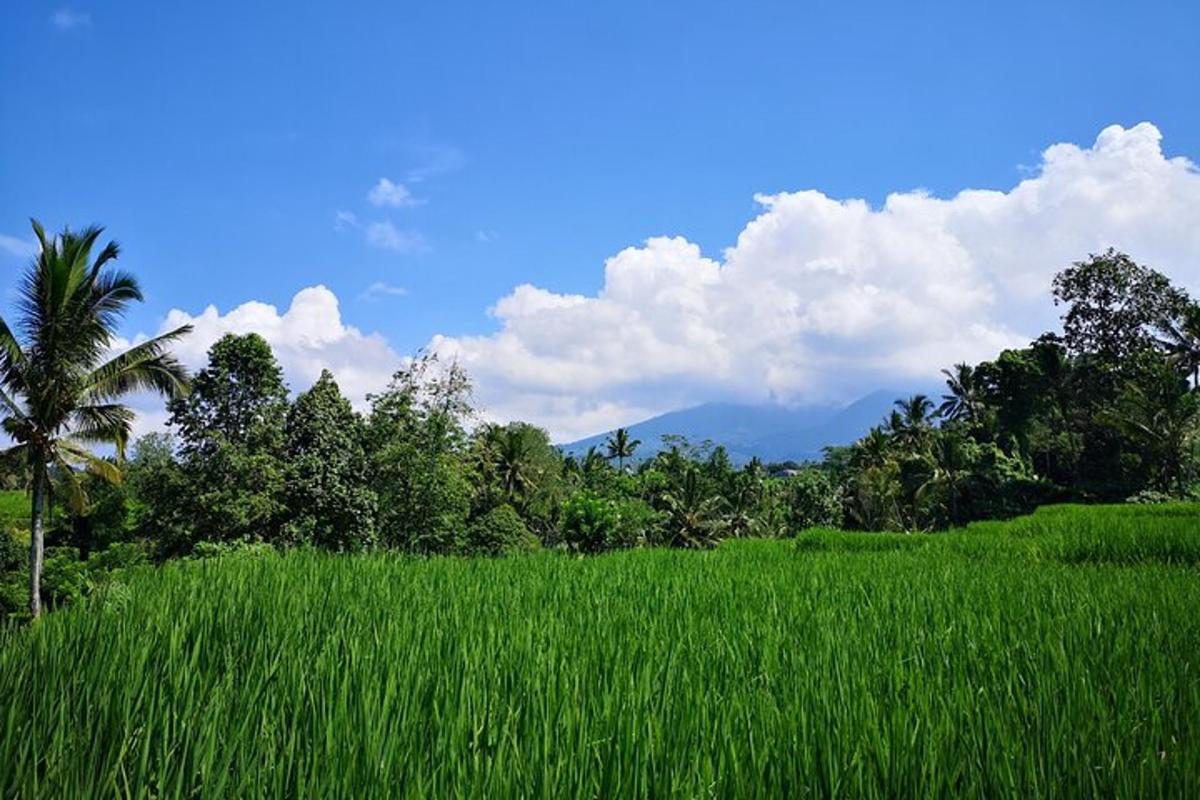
{"points": [[592, 523], [498, 532], [237, 547], [65, 576], [814, 500]]}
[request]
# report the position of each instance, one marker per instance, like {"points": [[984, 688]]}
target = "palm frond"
{"points": [[147, 366], [108, 423]]}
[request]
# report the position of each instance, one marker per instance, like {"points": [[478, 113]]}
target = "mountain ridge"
{"points": [[773, 433]]}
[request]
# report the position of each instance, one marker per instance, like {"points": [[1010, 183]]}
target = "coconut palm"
{"points": [[515, 462], [694, 515], [951, 471], [962, 400], [59, 380], [621, 447], [874, 449], [911, 422], [1182, 343]]}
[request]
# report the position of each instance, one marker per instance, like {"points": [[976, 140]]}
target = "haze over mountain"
{"points": [[770, 432]]}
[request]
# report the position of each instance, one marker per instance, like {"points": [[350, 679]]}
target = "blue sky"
{"points": [[232, 147]]}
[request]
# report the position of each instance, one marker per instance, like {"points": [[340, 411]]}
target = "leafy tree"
{"points": [[1115, 306], [620, 446], [417, 446], [813, 500], [231, 434], [238, 399], [328, 501], [59, 382]]}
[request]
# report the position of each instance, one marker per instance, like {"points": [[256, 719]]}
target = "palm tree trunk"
{"points": [[36, 542]]}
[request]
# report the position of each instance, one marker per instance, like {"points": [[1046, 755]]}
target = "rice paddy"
{"points": [[1055, 655]]}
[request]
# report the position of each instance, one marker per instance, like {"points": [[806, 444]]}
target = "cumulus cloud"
{"points": [[310, 335], [821, 299], [386, 193]]}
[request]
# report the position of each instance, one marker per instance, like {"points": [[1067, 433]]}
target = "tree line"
{"points": [[1106, 410]]}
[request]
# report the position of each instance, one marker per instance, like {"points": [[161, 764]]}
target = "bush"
{"points": [[237, 547], [593, 524], [498, 532], [814, 500], [589, 522], [13, 554], [64, 576]]}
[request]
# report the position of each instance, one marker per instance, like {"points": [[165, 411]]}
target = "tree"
{"points": [[59, 382], [963, 400], [912, 421], [952, 463], [239, 398], [1115, 306], [1161, 418], [620, 446], [328, 501], [518, 465], [231, 435], [1181, 339], [813, 500], [693, 513], [417, 446]]}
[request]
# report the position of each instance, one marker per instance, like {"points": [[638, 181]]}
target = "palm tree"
{"points": [[962, 401], [621, 447], [874, 449], [59, 382], [1163, 420], [951, 471], [694, 516], [514, 461], [912, 421], [1182, 343]]}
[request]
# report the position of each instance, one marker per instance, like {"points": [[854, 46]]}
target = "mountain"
{"points": [[770, 432]]}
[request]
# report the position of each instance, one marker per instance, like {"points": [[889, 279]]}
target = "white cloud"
{"points": [[387, 236], [15, 246], [819, 299], [66, 19], [486, 236], [823, 299], [308, 337], [380, 289], [386, 193], [344, 220]]}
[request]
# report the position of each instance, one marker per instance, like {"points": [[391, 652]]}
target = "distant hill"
{"points": [[771, 432]]}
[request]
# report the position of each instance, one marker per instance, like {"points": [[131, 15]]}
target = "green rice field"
{"points": [[1057, 655]]}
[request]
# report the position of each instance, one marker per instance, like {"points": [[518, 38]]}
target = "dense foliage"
{"points": [[1106, 411], [979, 663]]}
